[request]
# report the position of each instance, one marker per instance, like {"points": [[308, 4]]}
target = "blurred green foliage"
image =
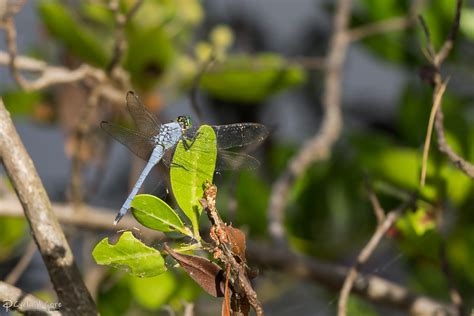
{"points": [[328, 214]]}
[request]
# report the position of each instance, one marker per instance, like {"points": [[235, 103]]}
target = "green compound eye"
{"points": [[184, 121]]}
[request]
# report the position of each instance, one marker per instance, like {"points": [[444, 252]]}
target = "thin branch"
{"points": [[381, 27], [319, 147], [81, 132], [121, 20], [45, 228], [22, 264], [388, 25], [374, 200], [225, 253], [25, 303], [366, 252], [370, 287], [10, 31], [436, 60], [87, 217], [438, 97], [443, 146], [55, 75], [449, 42], [454, 294]]}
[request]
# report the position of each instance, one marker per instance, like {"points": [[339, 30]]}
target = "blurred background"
{"points": [[252, 61]]}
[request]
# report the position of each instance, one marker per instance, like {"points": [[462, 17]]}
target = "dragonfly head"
{"points": [[184, 121]]}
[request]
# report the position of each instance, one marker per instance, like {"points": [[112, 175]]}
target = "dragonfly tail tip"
{"points": [[117, 219]]}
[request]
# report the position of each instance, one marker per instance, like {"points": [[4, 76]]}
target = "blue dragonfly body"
{"points": [[151, 141]]}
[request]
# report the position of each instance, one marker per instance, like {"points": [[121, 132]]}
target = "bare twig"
{"points": [[374, 200], [45, 228], [10, 30], [454, 294], [319, 147], [443, 146], [81, 131], [55, 75], [121, 21], [22, 264], [438, 97], [88, 217], [370, 287], [373, 288], [25, 303], [436, 60], [366, 252], [225, 252], [389, 25]]}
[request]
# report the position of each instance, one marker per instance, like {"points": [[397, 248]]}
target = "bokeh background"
{"points": [[268, 69]]}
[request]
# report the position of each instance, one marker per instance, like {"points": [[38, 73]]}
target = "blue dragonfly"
{"points": [[152, 142]]}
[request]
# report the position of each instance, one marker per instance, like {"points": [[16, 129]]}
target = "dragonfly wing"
{"points": [[229, 160], [145, 122], [139, 144], [235, 135], [240, 135]]}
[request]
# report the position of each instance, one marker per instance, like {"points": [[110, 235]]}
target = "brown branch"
{"points": [[226, 254], [319, 147], [55, 75], [437, 98], [389, 25], [22, 264], [436, 60], [443, 146], [366, 252], [370, 287], [121, 20], [80, 135], [374, 200], [88, 217], [14, 298], [10, 31], [454, 294], [45, 229]]}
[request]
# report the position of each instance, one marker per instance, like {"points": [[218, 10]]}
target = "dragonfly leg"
{"points": [[188, 143]]}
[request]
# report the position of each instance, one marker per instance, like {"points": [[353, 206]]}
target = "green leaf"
{"points": [[12, 230], [250, 79], [154, 213], [153, 292], [115, 300], [467, 22], [191, 169], [149, 53], [131, 255], [21, 102], [77, 38]]}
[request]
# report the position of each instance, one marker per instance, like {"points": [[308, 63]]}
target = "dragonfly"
{"points": [[152, 142]]}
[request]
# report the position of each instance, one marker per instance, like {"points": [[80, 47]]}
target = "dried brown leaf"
{"points": [[204, 272], [237, 241]]}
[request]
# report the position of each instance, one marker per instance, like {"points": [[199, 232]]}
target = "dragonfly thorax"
{"points": [[168, 135]]}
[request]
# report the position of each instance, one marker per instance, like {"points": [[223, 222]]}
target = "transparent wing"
{"points": [[139, 144], [236, 135], [228, 160], [240, 135], [145, 122]]}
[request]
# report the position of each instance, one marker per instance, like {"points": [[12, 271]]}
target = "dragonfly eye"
{"points": [[184, 121]]}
